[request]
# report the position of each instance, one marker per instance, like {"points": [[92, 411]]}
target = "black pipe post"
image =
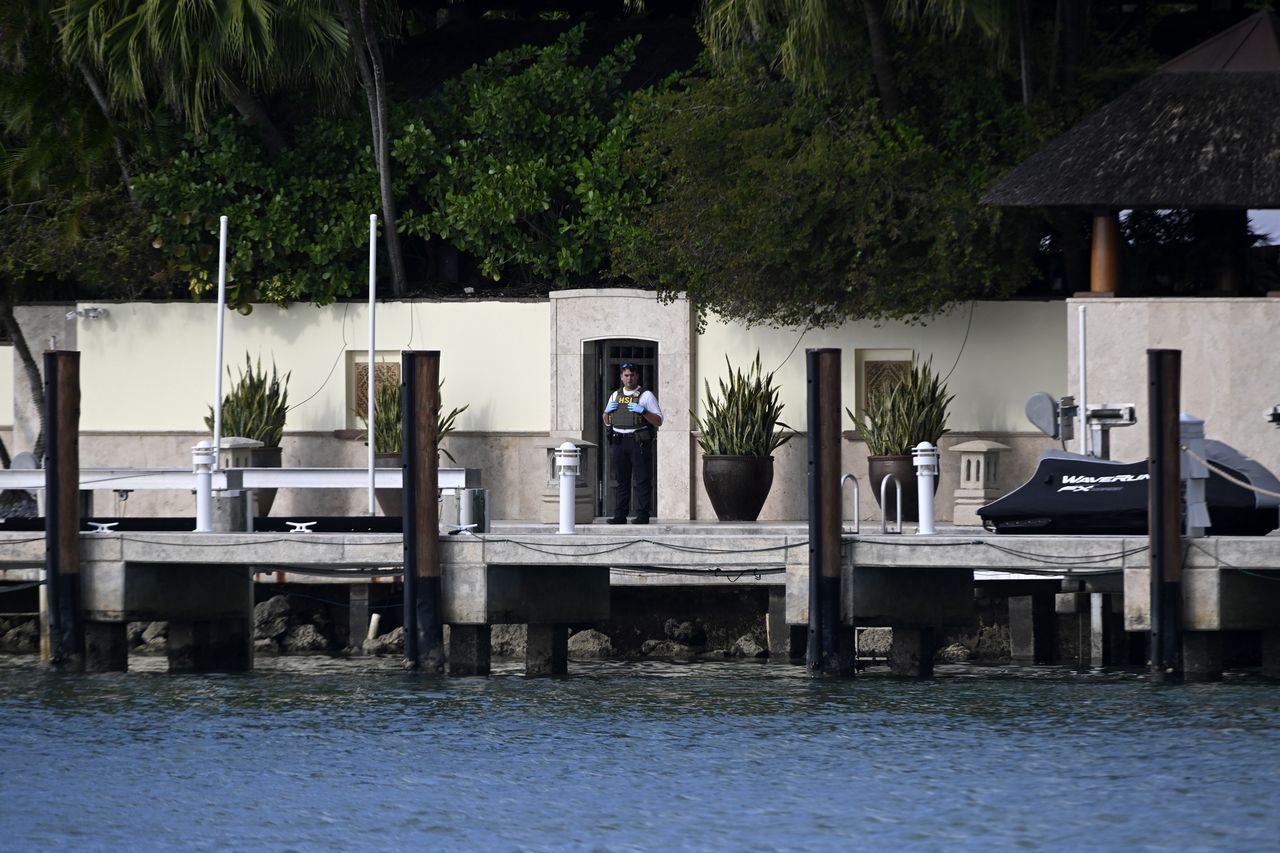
{"points": [[420, 404], [1164, 380], [824, 654], [62, 508]]}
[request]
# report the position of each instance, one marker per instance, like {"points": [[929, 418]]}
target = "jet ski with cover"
{"points": [[1075, 494]]}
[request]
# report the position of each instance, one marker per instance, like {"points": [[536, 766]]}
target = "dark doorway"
{"points": [[610, 355]]}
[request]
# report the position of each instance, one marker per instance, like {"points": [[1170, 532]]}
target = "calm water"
{"points": [[310, 754]]}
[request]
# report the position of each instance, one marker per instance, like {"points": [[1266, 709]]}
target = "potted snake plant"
{"points": [[256, 408], [896, 419], [739, 430], [388, 437]]}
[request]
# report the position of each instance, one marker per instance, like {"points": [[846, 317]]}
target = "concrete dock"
{"points": [[523, 572]]}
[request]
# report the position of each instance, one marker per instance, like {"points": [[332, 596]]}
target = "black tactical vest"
{"points": [[624, 418]]}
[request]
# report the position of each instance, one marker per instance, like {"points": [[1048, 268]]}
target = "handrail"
{"points": [[856, 502], [131, 479], [884, 519]]}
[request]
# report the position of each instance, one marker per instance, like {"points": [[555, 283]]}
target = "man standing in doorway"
{"points": [[633, 417]]}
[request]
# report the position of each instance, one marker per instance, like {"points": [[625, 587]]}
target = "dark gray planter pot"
{"points": [[265, 457], [390, 501], [900, 466], [737, 485]]}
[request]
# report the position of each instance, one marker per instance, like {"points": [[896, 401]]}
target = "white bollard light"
{"points": [[925, 458], [568, 458], [202, 457]]}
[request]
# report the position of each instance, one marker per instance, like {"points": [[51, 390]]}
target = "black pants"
{"points": [[630, 458]]}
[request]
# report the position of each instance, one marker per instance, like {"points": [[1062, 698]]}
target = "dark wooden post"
{"points": [[1164, 380], [1104, 265], [420, 401], [824, 655], [62, 507]]}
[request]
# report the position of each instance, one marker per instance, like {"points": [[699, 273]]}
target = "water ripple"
{"points": [[320, 754]]}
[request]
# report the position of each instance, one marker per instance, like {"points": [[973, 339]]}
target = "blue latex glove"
{"points": [[613, 406], [636, 408]]}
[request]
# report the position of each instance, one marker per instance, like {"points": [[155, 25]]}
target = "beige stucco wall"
{"points": [[1013, 349], [6, 387], [1230, 365], [147, 379], [150, 366]]}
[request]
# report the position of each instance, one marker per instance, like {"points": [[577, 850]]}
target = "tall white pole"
{"points": [[217, 366], [373, 349], [1084, 399]]}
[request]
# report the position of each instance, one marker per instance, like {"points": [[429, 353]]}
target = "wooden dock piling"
{"points": [[1164, 381], [420, 401], [825, 654], [62, 507]]}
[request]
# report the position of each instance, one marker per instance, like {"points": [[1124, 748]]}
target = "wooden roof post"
{"points": [[1104, 266]]}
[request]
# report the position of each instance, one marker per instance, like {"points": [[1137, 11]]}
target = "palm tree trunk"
{"points": [[882, 57], [35, 384], [368, 58], [1024, 51], [250, 108], [101, 97]]}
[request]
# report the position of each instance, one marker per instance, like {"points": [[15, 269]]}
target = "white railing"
{"points": [[138, 479]]}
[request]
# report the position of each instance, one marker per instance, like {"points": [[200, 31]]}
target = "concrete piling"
{"points": [[469, 649], [547, 650]]}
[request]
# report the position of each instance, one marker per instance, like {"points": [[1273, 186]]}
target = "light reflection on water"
{"points": [[329, 754]]}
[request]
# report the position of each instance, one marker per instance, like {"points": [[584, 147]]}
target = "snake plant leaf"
{"points": [[911, 410], [257, 404], [744, 418]]}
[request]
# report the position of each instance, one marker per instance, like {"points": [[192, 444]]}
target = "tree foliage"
{"points": [[775, 207], [520, 162], [298, 223]]}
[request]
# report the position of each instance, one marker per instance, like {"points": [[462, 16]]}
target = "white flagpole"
{"points": [[217, 367], [373, 350]]}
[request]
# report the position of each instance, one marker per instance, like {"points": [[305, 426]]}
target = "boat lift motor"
{"points": [[1101, 418]]}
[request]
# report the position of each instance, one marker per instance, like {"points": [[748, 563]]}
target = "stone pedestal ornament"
{"points": [[978, 474]]}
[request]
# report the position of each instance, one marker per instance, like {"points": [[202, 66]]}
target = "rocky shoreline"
{"points": [[298, 625]]}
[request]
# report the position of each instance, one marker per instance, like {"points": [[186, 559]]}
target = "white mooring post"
{"points": [[925, 458], [567, 460], [203, 456]]}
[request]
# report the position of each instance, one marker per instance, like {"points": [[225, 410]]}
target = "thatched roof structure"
{"points": [[1203, 132]]}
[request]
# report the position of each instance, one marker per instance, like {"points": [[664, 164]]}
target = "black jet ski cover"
{"points": [[1070, 493]]}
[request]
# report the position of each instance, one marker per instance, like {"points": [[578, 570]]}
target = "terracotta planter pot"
{"points": [[265, 457], [900, 466], [737, 485]]}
